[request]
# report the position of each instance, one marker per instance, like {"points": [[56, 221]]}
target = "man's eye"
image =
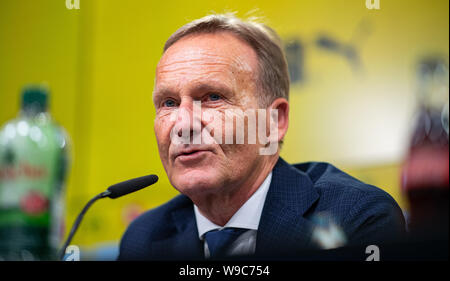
{"points": [[169, 103], [214, 97]]}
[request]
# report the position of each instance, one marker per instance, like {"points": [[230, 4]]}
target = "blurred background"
{"points": [[353, 94]]}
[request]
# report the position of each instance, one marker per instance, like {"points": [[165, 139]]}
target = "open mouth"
{"points": [[191, 152], [192, 155]]}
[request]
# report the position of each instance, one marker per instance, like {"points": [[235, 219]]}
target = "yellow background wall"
{"points": [[100, 62]]}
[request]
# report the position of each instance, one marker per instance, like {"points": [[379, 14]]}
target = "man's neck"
{"points": [[219, 208]]}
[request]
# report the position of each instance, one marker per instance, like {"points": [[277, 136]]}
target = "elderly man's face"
{"points": [[220, 71]]}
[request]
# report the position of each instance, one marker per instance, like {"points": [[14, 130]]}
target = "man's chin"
{"points": [[194, 181]]}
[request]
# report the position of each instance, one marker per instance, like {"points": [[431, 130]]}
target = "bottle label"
{"points": [[30, 190]]}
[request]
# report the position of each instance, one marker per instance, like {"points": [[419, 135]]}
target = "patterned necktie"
{"points": [[219, 240]]}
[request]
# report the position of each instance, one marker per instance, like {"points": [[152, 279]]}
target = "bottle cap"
{"points": [[35, 97]]}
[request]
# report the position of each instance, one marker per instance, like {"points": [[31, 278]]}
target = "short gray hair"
{"points": [[273, 76]]}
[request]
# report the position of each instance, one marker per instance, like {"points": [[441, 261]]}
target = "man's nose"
{"points": [[189, 119]]}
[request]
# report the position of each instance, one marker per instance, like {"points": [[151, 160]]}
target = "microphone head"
{"points": [[125, 187]]}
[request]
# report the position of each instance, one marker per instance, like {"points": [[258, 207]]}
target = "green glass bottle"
{"points": [[33, 167]]}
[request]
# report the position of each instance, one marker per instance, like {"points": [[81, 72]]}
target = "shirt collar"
{"points": [[247, 216]]}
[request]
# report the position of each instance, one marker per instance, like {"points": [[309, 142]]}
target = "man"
{"points": [[241, 198]]}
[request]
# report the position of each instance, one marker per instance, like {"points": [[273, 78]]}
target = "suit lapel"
{"points": [[184, 242], [283, 226]]}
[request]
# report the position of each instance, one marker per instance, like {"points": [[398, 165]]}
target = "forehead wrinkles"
{"points": [[202, 60], [210, 54]]}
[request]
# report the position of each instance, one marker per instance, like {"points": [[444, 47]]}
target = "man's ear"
{"points": [[282, 107]]}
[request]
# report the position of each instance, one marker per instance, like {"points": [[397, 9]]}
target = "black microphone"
{"points": [[125, 187], [114, 191]]}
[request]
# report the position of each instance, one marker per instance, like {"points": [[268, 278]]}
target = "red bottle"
{"points": [[425, 175]]}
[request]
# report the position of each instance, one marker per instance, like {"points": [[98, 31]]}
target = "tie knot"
{"points": [[219, 240]]}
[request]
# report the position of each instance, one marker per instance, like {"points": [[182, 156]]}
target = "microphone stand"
{"points": [[78, 221], [114, 191]]}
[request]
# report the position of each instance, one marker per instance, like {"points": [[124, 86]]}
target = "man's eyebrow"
{"points": [[162, 92], [196, 89], [215, 88]]}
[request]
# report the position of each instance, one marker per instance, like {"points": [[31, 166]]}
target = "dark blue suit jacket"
{"points": [[367, 215]]}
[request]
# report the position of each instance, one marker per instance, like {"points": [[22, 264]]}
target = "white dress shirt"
{"points": [[247, 216]]}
